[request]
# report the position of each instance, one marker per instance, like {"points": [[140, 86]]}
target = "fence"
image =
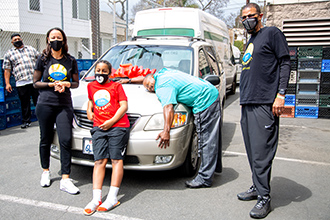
{"points": [[88, 25]]}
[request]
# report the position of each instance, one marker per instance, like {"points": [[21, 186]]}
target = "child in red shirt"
{"points": [[107, 108]]}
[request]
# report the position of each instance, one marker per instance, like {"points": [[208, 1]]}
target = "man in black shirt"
{"points": [[264, 80]]}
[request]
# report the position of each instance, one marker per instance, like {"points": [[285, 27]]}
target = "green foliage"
{"points": [[239, 44]]}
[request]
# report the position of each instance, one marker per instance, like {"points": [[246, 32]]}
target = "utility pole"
{"points": [[114, 35], [126, 19]]}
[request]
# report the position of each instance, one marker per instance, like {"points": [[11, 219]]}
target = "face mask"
{"points": [[101, 78], [56, 45], [250, 24], [18, 43]]}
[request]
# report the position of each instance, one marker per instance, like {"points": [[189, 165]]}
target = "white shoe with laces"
{"points": [[45, 179], [67, 185]]}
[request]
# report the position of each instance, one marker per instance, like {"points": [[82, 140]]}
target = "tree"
{"points": [[123, 10], [211, 6]]}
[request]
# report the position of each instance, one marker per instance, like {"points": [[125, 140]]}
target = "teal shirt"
{"points": [[173, 87]]}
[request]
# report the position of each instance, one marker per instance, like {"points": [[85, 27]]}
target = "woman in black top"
{"points": [[55, 73]]}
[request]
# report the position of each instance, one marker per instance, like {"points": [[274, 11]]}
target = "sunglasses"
{"points": [[248, 16]]}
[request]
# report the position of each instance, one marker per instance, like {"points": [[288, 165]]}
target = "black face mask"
{"points": [[250, 25], [101, 78], [56, 45], [18, 43]]}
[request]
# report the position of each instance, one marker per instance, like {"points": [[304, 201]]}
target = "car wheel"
{"points": [[233, 87], [192, 161]]}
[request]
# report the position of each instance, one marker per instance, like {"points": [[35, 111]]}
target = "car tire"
{"points": [[233, 87], [192, 161]]}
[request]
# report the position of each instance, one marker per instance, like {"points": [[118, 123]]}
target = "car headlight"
{"points": [[156, 122]]}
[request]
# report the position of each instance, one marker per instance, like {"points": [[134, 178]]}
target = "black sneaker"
{"points": [[250, 194], [262, 208], [25, 125]]}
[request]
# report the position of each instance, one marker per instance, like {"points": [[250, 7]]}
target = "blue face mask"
{"points": [[250, 25], [101, 78]]}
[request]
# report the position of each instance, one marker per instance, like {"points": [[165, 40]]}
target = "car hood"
{"points": [[140, 101]]}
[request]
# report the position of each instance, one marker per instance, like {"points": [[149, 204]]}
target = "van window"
{"points": [[149, 56], [212, 60], [204, 68]]}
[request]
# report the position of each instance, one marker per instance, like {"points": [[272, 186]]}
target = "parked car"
{"points": [[238, 63], [185, 53]]}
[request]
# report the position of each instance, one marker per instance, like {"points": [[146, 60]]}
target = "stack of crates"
{"points": [[324, 102], [290, 97], [10, 105], [3, 123], [308, 81], [84, 64]]}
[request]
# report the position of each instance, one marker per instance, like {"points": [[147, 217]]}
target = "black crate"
{"points": [[324, 88], [324, 112], [326, 53], [307, 100], [309, 64], [291, 88], [294, 64], [293, 52], [308, 88], [312, 76], [324, 101], [310, 52], [325, 77]]}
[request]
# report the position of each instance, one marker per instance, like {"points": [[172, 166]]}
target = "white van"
{"points": [[190, 22]]}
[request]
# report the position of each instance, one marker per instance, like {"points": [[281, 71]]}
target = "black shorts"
{"points": [[111, 143]]}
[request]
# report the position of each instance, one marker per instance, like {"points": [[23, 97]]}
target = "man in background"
{"points": [[20, 61]]}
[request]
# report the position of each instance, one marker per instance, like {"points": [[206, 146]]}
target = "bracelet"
{"points": [[129, 81], [280, 97]]}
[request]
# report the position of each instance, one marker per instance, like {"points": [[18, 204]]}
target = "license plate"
{"points": [[87, 146]]}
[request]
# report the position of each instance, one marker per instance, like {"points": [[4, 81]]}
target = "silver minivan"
{"points": [[145, 112]]}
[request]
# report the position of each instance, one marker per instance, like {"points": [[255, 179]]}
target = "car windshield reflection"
{"points": [[130, 61]]}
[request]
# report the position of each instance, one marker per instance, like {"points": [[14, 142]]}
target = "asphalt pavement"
{"points": [[300, 179]]}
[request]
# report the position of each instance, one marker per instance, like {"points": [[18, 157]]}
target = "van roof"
{"points": [[179, 21]]}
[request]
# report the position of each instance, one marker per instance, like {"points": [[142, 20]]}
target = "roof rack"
{"points": [[148, 37]]}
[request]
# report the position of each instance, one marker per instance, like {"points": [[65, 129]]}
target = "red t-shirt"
{"points": [[106, 100]]}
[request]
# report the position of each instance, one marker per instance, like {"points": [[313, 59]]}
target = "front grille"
{"points": [[127, 160], [82, 120]]}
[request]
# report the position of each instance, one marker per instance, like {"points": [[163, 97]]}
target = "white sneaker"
{"points": [[45, 179], [67, 185]]}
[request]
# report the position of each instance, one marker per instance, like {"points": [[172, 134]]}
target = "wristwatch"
{"points": [[129, 81], [281, 91]]}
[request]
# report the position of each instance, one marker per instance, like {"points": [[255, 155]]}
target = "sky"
{"points": [[232, 6]]}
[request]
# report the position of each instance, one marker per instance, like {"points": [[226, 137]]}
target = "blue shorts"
{"points": [[111, 143]]}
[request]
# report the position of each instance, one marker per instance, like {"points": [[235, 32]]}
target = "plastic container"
{"points": [[307, 100], [310, 52], [324, 101], [325, 66], [324, 112], [14, 119], [309, 64], [288, 112], [306, 112], [312, 76], [290, 100]]}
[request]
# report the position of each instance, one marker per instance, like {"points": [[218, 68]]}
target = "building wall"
{"points": [[276, 13]]}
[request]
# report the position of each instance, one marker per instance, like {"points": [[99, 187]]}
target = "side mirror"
{"points": [[213, 79], [82, 73]]}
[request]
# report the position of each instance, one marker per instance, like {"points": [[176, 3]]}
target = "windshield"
{"points": [[145, 59]]}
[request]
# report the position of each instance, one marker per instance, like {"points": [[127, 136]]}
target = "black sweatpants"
{"points": [[48, 115], [260, 132], [24, 94]]}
